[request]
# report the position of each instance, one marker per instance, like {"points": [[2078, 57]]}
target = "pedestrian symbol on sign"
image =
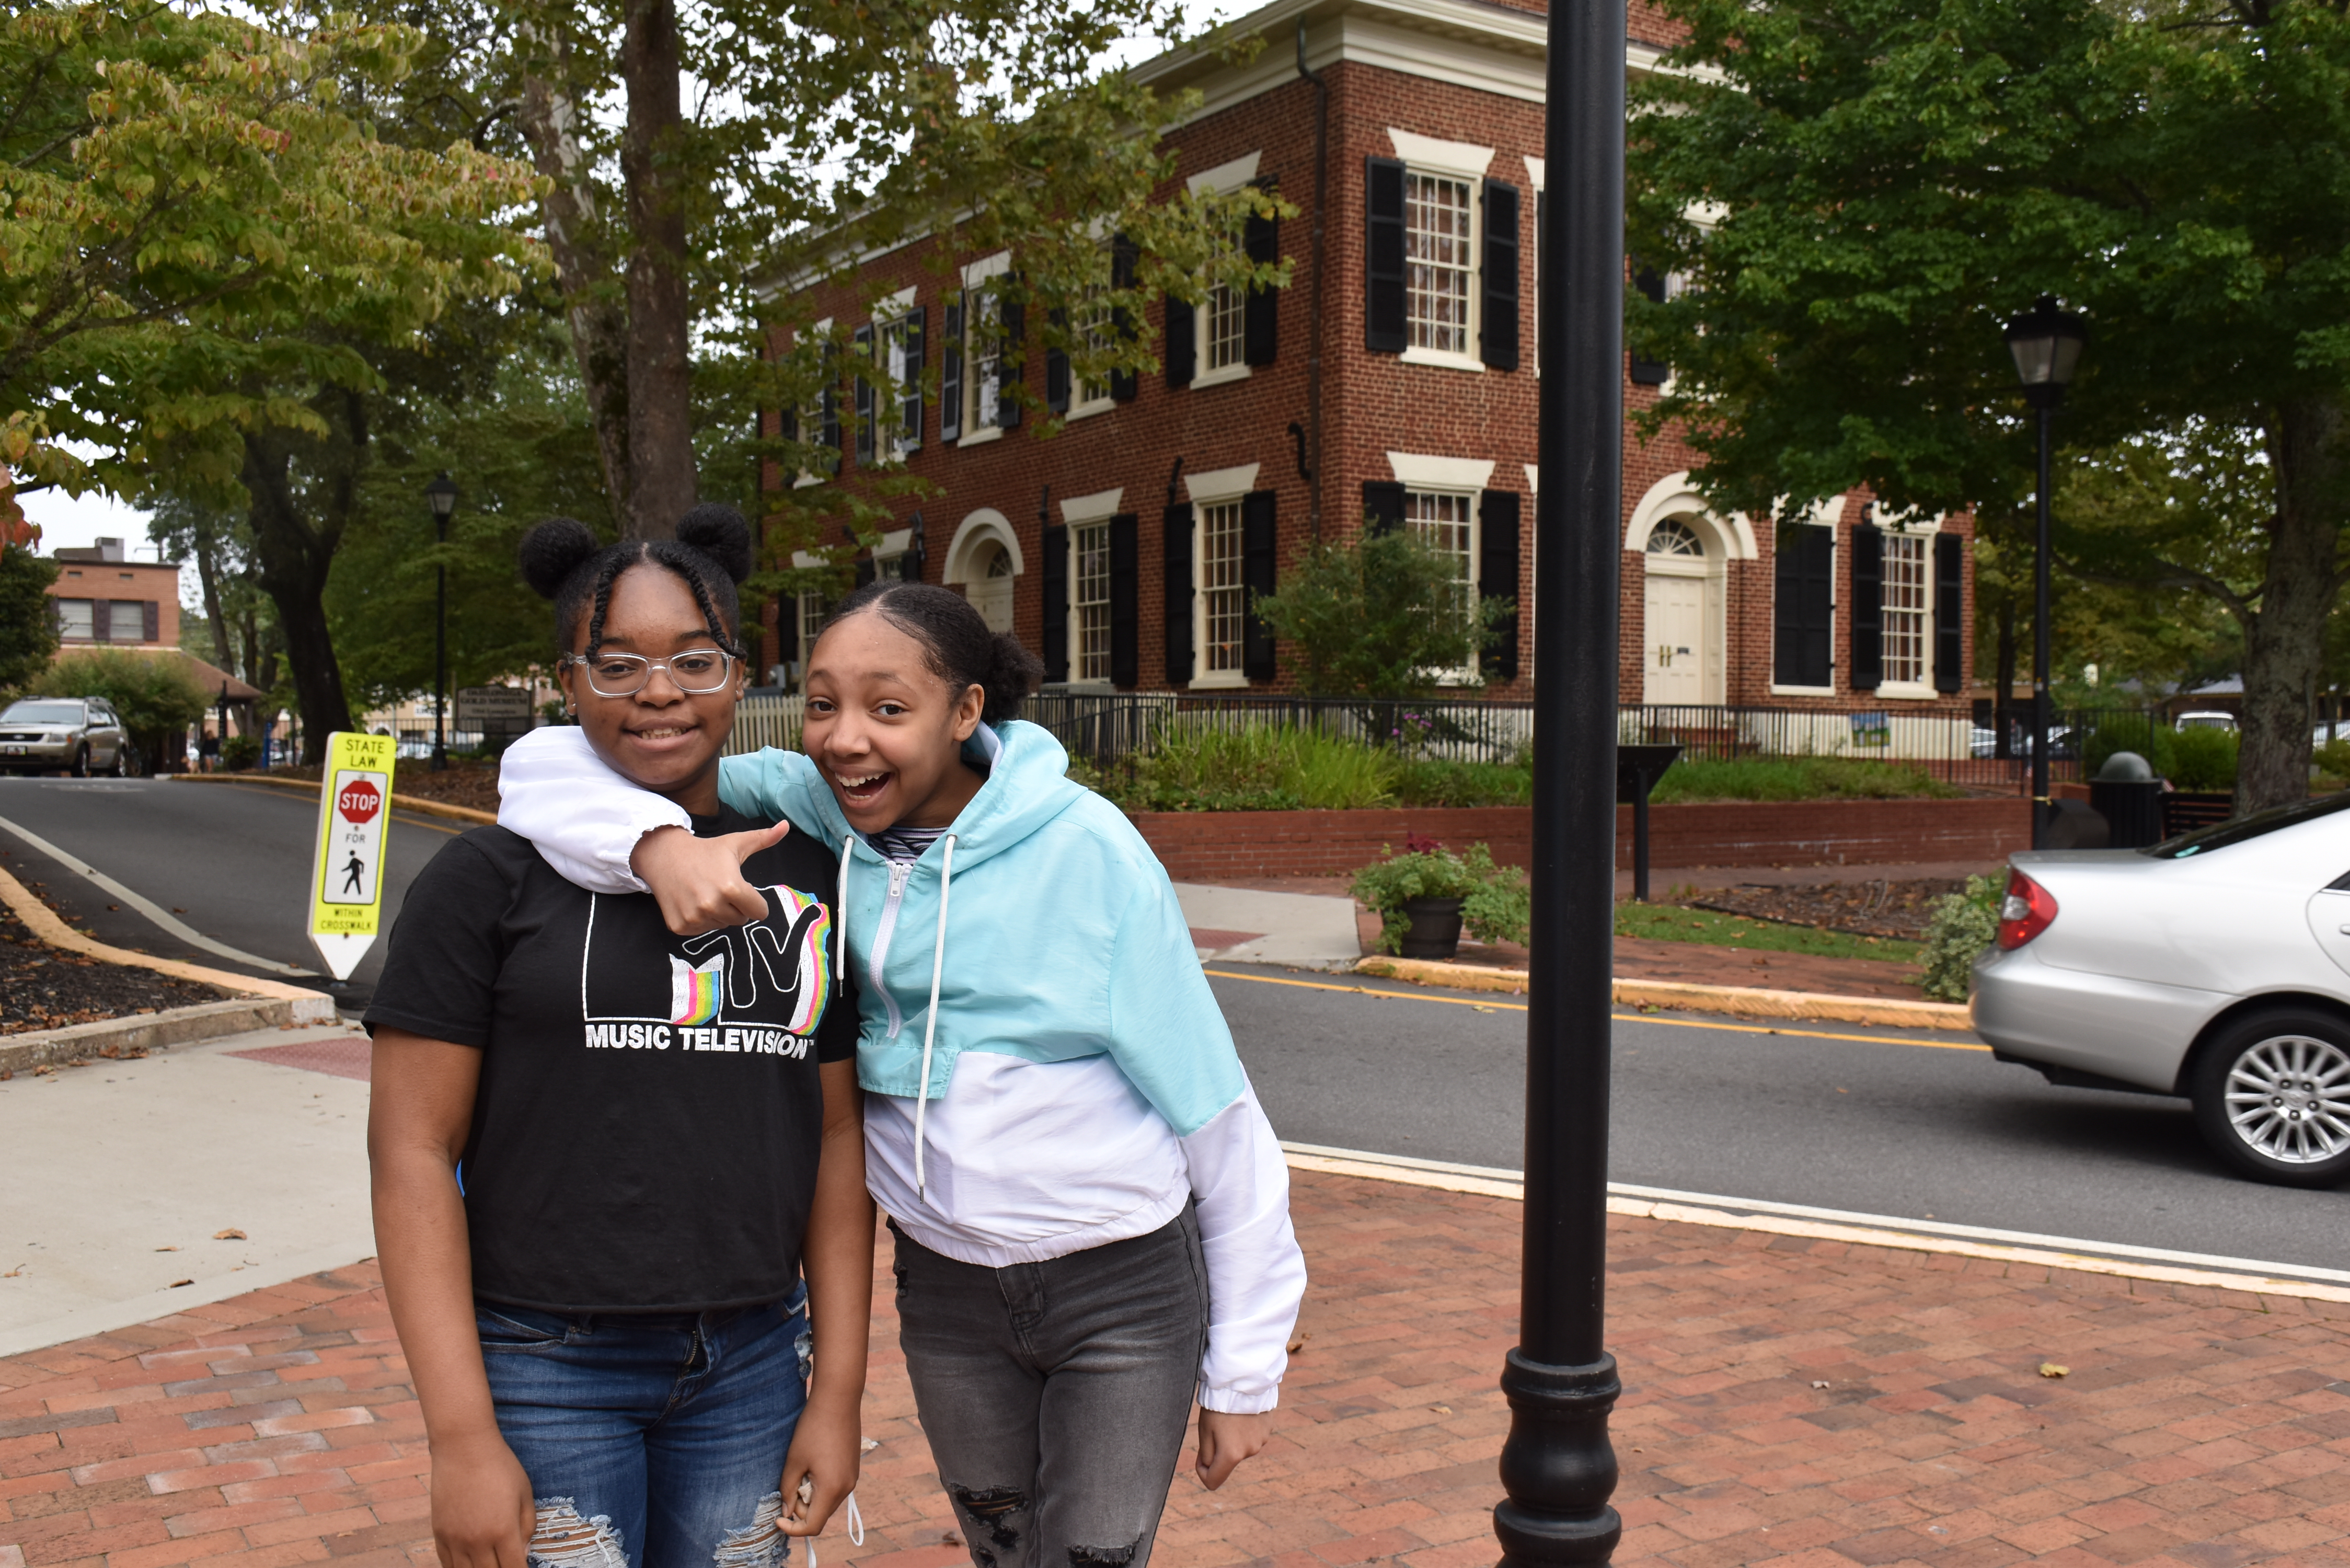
{"points": [[354, 875]]}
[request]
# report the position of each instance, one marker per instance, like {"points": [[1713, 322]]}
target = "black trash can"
{"points": [[2129, 797]]}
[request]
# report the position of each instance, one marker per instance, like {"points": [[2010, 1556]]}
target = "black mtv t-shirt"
{"points": [[646, 1133]]}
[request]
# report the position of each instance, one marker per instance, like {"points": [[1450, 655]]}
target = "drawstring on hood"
{"points": [[931, 1018], [840, 915]]}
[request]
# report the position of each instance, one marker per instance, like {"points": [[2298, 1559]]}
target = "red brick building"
{"points": [[1123, 549]]}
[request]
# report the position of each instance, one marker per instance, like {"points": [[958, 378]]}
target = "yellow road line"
{"points": [[1619, 1017]]}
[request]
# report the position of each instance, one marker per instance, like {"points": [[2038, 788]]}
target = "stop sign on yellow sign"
{"points": [[346, 883]]}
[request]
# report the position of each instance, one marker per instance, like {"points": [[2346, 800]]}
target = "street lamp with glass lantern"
{"points": [[2047, 343], [442, 494]]}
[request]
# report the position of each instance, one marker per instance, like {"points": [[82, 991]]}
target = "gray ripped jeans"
{"points": [[1056, 1394]]}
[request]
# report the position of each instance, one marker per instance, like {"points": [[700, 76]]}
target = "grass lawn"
{"points": [[1664, 922]]}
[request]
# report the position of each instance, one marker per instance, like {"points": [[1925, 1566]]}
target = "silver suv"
{"points": [[80, 734]]}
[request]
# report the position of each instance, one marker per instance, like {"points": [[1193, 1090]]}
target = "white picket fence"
{"points": [[762, 722]]}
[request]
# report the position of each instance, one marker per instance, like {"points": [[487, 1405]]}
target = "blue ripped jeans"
{"points": [[652, 1440]]}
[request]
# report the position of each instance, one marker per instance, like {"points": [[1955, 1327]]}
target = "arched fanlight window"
{"points": [[1674, 537]]}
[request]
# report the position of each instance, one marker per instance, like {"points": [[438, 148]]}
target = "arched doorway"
{"points": [[1682, 643], [984, 558], [990, 591]]}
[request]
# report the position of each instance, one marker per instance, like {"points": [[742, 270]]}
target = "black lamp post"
{"points": [[442, 494], [1558, 1465], [2047, 344]]}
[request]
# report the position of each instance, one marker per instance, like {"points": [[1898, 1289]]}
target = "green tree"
{"points": [[1858, 192], [28, 623], [156, 695], [1380, 614]]}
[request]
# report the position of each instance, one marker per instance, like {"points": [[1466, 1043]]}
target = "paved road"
{"points": [[1899, 1124], [235, 858], [1906, 1124]]}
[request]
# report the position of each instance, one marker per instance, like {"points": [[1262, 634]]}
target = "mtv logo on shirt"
{"points": [[759, 989]]}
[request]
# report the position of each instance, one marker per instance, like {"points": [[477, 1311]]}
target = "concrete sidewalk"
{"points": [[113, 1211], [1806, 1403]]}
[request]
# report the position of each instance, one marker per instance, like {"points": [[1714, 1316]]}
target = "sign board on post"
{"points": [[346, 882], [494, 710]]}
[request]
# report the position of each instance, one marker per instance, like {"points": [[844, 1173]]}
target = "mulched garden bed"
{"points": [[42, 987], [1887, 909]]}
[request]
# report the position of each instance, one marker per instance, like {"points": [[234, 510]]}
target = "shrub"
{"points": [[1260, 767], [1431, 781], [2333, 757], [1496, 906], [2203, 760], [1963, 925], [1798, 778], [156, 695], [1379, 615], [239, 752]]}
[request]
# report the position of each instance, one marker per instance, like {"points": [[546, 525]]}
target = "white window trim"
{"points": [[974, 274], [978, 272], [1092, 508], [1902, 526], [1463, 467], [1224, 177], [812, 415], [1462, 159], [1417, 471], [1223, 376], [890, 306], [1093, 511], [1457, 161], [1217, 487]]}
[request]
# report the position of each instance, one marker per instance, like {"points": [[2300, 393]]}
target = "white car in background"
{"points": [[2214, 966]]}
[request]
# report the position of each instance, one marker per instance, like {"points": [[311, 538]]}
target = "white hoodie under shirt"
{"points": [[1014, 1171], [1013, 1175]]}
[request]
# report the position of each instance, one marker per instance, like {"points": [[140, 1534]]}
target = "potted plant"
{"points": [[1425, 894]]}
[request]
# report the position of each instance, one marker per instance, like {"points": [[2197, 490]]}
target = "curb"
{"points": [[143, 1032], [400, 802], [304, 1006], [1746, 1001]]}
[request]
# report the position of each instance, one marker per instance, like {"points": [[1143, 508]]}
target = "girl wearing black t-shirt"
{"points": [[604, 1155]]}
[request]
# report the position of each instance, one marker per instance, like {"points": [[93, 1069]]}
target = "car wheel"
{"points": [[80, 769], [121, 768], [2271, 1098]]}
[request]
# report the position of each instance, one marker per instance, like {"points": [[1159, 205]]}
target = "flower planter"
{"points": [[1435, 931]]}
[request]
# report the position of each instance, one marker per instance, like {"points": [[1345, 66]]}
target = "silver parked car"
{"points": [[80, 734], [2214, 966]]}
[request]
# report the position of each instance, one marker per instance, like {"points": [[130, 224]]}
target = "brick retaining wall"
{"points": [[1206, 845]]}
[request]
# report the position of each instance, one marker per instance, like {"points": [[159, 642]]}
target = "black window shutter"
{"points": [[829, 404], [1182, 342], [1056, 603], [788, 424], [155, 625], [1867, 608], [1260, 312], [1056, 369], [1383, 252], [950, 370], [1382, 506], [1123, 384], [1497, 576], [1258, 543], [788, 628], [1125, 600], [863, 340], [1650, 283], [1803, 607], [1175, 546], [866, 570], [909, 407], [1497, 336], [1011, 363], [1950, 611]]}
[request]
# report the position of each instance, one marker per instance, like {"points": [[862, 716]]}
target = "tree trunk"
{"points": [[584, 269], [292, 562], [660, 372], [2284, 642], [208, 578]]}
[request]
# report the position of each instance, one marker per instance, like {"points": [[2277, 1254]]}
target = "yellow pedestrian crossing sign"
{"points": [[347, 880]]}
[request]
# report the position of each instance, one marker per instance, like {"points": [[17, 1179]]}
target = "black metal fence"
{"points": [[1106, 728]]}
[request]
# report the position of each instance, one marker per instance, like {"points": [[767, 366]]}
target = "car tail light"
{"points": [[2028, 911]]}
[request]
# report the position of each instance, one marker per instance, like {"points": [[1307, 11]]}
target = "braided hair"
{"points": [[563, 561]]}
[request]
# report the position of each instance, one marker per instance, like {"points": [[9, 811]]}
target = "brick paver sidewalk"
{"points": [[1797, 1401]]}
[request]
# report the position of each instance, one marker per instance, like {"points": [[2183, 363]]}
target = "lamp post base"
{"points": [[1558, 1465]]}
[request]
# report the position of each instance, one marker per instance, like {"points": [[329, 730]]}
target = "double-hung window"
{"points": [[989, 327], [1219, 326], [1906, 608], [1440, 261], [1448, 520], [1093, 396], [1222, 595], [1089, 600]]}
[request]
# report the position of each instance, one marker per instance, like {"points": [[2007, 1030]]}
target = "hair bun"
{"points": [[1013, 672], [720, 532], [551, 551]]}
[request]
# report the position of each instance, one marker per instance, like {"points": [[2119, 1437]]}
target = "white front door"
{"points": [[1674, 668], [991, 597]]}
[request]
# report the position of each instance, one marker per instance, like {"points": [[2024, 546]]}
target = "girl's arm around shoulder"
{"points": [[583, 817]]}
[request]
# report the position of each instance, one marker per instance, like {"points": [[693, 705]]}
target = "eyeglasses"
{"points": [[695, 671]]}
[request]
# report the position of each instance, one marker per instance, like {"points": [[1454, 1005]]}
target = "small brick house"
{"points": [[1125, 549], [104, 599]]}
